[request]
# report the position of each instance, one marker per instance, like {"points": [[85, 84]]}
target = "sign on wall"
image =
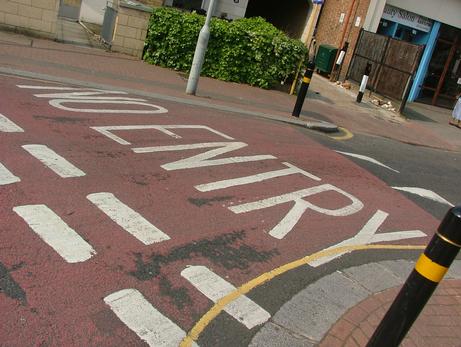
{"points": [[407, 18]]}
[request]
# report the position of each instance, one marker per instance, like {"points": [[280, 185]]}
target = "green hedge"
{"points": [[247, 50]]}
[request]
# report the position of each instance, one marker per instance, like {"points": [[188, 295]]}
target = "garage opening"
{"points": [[288, 16]]}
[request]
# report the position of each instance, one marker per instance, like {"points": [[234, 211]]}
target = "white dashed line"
{"points": [[6, 177], [214, 287], [56, 233], [140, 316], [54, 161], [425, 193], [127, 218], [369, 159], [7, 126]]}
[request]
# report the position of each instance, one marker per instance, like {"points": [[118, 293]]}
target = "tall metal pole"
{"points": [[200, 50]]}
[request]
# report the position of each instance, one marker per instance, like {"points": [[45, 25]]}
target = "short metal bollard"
{"points": [[364, 83], [339, 63], [303, 90], [428, 272]]}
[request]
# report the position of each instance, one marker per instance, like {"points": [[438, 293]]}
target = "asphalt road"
{"points": [[422, 167], [123, 218]]}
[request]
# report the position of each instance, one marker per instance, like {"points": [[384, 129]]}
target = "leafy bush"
{"points": [[247, 50]]}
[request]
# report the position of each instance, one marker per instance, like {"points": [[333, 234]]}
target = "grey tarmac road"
{"points": [[422, 167]]}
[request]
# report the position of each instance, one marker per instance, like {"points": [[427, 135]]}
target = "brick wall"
{"points": [[131, 30], [37, 17], [329, 28]]}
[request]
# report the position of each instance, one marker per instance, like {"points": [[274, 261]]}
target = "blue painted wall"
{"points": [[424, 64]]}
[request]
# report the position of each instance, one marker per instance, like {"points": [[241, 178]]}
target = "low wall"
{"points": [[35, 17], [131, 29]]}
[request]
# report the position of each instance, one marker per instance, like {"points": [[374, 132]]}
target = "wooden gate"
{"points": [[394, 63]]}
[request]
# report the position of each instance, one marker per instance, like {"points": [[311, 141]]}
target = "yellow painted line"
{"points": [[347, 136], [430, 269], [216, 309]]}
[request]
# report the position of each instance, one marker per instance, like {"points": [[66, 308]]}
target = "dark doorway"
{"points": [[288, 16], [440, 85]]}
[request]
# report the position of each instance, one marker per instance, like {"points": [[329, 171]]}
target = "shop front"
{"points": [[438, 77], [442, 79]]}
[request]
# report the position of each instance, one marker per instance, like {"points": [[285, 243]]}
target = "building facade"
{"points": [[435, 25], [292, 16], [340, 21]]}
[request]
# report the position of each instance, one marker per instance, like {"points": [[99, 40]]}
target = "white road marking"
{"points": [[6, 176], [54, 161], [203, 159], [425, 193], [107, 130], [295, 214], [367, 235], [142, 318], [255, 178], [75, 93], [127, 218], [7, 126], [56, 233], [58, 103], [214, 288], [371, 160], [23, 86], [93, 96]]}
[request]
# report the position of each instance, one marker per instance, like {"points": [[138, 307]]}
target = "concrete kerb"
{"points": [[321, 126], [307, 318]]}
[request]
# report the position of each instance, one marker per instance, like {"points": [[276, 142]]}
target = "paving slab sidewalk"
{"points": [[344, 308]]}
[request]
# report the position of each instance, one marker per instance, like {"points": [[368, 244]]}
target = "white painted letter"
{"points": [[255, 178], [107, 130], [203, 159], [294, 215], [368, 235]]}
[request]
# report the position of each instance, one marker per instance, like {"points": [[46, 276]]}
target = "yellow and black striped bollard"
{"points": [[303, 90], [428, 272]]}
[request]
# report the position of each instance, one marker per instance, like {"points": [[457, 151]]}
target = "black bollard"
{"points": [[303, 89], [428, 272], [363, 85]]}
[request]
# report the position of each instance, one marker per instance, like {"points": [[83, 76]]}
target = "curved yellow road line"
{"points": [[216, 309], [348, 135]]}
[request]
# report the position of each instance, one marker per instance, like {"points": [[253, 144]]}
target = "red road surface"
{"points": [[63, 302]]}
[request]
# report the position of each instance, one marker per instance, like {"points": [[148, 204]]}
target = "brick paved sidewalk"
{"points": [[439, 324]]}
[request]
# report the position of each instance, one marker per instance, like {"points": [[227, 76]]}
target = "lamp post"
{"points": [[200, 50]]}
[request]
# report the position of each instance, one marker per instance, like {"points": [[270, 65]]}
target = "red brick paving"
{"points": [[439, 324]]}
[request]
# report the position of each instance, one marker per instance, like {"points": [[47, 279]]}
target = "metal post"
{"points": [[363, 85], [200, 50], [428, 272], [303, 90], [339, 63]]}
